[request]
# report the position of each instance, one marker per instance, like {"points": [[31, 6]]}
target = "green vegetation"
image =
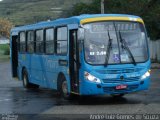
{"points": [[147, 9], [21, 12], [4, 48], [5, 27], [4, 52]]}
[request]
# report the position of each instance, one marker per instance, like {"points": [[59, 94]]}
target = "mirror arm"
{"points": [[81, 26]]}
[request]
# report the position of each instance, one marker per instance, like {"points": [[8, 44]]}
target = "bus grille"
{"points": [[113, 90], [132, 79], [118, 71]]}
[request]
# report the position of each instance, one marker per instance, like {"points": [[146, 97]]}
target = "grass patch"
{"points": [[3, 49]]}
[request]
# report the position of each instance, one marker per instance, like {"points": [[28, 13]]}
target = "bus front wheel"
{"points": [[64, 89], [26, 83]]}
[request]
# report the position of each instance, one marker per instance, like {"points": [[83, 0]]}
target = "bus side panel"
{"points": [[36, 69], [64, 68], [42, 70], [52, 70], [49, 71], [23, 62]]}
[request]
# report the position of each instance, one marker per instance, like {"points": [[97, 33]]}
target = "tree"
{"points": [[83, 8], [5, 27], [147, 9]]}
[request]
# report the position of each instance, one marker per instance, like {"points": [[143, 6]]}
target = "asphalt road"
{"points": [[14, 99]]}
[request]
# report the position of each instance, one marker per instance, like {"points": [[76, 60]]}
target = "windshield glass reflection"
{"points": [[97, 38]]}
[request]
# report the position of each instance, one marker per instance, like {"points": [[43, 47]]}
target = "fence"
{"points": [[155, 50]]}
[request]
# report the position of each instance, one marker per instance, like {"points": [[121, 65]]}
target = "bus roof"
{"points": [[74, 20]]}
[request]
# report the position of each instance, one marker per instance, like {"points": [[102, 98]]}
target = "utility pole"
{"points": [[102, 6]]}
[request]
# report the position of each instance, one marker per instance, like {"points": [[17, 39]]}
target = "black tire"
{"points": [[64, 89], [26, 83], [117, 95]]}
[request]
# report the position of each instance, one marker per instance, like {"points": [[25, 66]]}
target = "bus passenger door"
{"points": [[14, 57], [74, 61]]}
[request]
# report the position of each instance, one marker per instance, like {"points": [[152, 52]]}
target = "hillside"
{"points": [[21, 12]]}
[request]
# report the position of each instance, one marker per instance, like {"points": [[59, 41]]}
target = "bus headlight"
{"points": [[147, 74], [91, 78]]}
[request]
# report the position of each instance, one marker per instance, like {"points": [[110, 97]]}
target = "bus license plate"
{"points": [[119, 87]]}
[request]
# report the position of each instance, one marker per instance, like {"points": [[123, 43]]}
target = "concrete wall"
{"points": [[155, 50]]}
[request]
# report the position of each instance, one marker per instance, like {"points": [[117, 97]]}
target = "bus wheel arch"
{"points": [[60, 75], [25, 80], [63, 86], [22, 72]]}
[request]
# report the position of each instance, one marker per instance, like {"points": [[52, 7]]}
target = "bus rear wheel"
{"points": [[26, 83], [64, 89]]}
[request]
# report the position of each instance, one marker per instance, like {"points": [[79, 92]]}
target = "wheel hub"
{"points": [[64, 87], [25, 80]]}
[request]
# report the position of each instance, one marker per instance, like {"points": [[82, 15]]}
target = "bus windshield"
{"points": [[115, 42]]}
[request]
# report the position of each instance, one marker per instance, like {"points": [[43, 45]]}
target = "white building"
{"points": [[4, 40]]}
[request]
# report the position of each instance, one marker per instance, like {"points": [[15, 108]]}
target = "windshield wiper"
{"points": [[125, 46], [109, 47]]}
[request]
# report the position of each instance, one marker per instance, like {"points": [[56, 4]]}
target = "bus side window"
{"points": [[39, 41], [22, 45], [30, 41], [62, 40], [49, 41]]}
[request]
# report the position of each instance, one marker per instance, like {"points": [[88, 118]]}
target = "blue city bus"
{"points": [[94, 54]]}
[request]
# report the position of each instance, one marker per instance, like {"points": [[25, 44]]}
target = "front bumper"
{"points": [[90, 88]]}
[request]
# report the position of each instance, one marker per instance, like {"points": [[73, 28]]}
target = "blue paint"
{"points": [[72, 20], [44, 69]]}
